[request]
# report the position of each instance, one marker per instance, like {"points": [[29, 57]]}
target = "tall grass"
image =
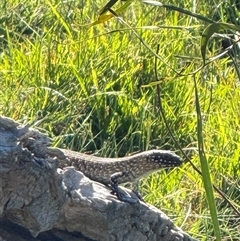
{"points": [[93, 89]]}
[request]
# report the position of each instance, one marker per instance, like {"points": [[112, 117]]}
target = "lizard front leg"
{"points": [[123, 195]]}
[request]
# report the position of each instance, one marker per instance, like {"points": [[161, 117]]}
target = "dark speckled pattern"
{"points": [[139, 165]]}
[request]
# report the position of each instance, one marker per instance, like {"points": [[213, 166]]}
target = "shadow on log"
{"points": [[39, 201]]}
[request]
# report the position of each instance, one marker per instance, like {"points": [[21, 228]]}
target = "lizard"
{"points": [[114, 171]]}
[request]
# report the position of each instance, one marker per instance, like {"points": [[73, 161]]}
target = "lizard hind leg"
{"points": [[135, 188]]}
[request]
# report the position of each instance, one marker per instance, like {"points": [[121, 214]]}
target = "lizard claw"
{"points": [[124, 196]]}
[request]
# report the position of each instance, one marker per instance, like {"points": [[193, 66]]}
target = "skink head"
{"points": [[165, 158]]}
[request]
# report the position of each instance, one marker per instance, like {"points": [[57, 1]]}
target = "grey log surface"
{"points": [[39, 201]]}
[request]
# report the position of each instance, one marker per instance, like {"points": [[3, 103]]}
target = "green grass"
{"points": [[93, 89]]}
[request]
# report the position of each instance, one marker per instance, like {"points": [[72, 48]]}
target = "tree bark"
{"points": [[39, 201]]}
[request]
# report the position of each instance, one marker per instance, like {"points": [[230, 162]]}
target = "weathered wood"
{"points": [[64, 204]]}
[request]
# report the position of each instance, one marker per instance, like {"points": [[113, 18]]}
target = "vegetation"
{"points": [[94, 89]]}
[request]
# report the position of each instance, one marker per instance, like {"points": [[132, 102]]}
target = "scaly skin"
{"points": [[112, 171]]}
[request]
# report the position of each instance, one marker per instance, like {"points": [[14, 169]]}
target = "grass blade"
{"points": [[209, 31], [180, 10], [205, 168]]}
